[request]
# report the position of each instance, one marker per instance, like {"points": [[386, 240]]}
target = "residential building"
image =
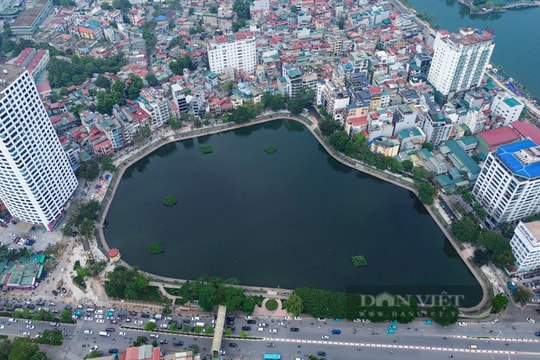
{"points": [[335, 100], [508, 186], [180, 99], [36, 178], [385, 146], [411, 139], [154, 103], [35, 61], [526, 246], [234, 52], [29, 20], [506, 107], [459, 60]]}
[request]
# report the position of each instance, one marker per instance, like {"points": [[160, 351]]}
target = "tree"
{"points": [[150, 326], [419, 173], [407, 165], [522, 295], [166, 310], [294, 304], [465, 230], [22, 348], [339, 140], [7, 29], [51, 337], [242, 114], [141, 340], [499, 248], [444, 314], [213, 9], [328, 126], [498, 303], [107, 164], [103, 82], [426, 192], [481, 257], [151, 79], [88, 170], [65, 317]]}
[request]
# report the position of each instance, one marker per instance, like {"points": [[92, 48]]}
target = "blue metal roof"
{"points": [[507, 155]]}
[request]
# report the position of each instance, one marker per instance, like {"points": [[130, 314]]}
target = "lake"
{"points": [[293, 218]]}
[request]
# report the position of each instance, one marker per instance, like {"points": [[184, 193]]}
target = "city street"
{"points": [[416, 340]]}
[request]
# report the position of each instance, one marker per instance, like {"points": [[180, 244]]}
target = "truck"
{"points": [[104, 333]]}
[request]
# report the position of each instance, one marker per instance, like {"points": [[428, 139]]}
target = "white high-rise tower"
{"points": [[36, 179], [460, 59]]}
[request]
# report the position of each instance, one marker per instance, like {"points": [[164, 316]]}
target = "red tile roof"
{"points": [[500, 136], [527, 130]]}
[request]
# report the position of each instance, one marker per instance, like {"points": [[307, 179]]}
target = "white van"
{"points": [[12, 320], [473, 347], [104, 333]]}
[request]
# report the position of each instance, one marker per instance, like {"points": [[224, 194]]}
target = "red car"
{"points": [[133, 313]]}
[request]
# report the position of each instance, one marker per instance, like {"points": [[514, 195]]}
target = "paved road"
{"points": [[416, 340]]}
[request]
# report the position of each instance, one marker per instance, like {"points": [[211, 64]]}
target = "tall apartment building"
{"points": [[508, 186], [459, 60], [155, 104], [36, 179], [526, 246], [234, 52]]}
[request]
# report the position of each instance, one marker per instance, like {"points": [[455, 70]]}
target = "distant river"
{"points": [[290, 219], [517, 50]]}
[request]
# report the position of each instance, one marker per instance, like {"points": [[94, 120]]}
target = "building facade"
{"points": [[508, 186], [36, 179], [229, 53], [526, 246], [460, 59]]}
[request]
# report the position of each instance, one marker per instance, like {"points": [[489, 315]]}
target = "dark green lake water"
{"points": [[290, 219]]}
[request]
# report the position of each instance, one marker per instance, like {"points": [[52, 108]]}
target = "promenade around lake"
{"points": [[168, 136]]}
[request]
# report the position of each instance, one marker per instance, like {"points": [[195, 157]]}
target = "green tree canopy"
{"points": [[294, 304], [88, 170], [499, 302], [465, 230]]}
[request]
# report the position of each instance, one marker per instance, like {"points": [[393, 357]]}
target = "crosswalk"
{"points": [[393, 346]]}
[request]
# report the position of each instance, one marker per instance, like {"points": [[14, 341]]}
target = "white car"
{"points": [[321, 319], [26, 333], [94, 348], [325, 337], [52, 304], [88, 332], [138, 322], [88, 318], [100, 321], [461, 323], [288, 318], [98, 316], [531, 320], [28, 322], [155, 336], [163, 326], [122, 333], [357, 320], [297, 318], [2, 326], [273, 331], [31, 327]]}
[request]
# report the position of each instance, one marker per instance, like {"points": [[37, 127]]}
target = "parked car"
{"points": [[295, 329]]}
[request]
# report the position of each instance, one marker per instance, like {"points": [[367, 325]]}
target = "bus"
{"points": [[272, 357]]}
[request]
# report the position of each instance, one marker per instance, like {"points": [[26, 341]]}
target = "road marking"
{"points": [[391, 346], [496, 338]]}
